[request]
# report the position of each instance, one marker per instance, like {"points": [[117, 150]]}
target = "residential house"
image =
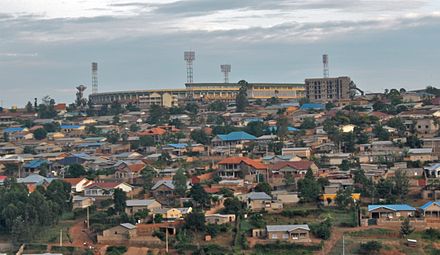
{"points": [[392, 211], [302, 152], [172, 213], [3, 179], [33, 180], [289, 233], [420, 154], [259, 201], [156, 133], [77, 184], [431, 209], [80, 202], [242, 167], [128, 171], [136, 205], [119, 234], [163, 192], [233, 140], [219, 219], [105, 189]]}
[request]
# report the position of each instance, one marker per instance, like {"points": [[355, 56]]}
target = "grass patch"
{"points": [[285, 248], [52, 234], [371, 232]]}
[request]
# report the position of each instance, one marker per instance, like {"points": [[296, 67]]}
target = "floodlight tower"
{"points": [[326, 69], [189, 57], [94, 78], [226, 69]]}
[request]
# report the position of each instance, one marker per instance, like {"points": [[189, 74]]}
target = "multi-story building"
{"points": [[199, 91], [328, 89]]}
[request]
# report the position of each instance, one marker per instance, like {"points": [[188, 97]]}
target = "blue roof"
{"points": [[253, 120], [275, 128], [428, 204], [70, 126], [86, 145], [83, 156], [396, 207], [35, 178], [312, 107], [237, 136], [178, 145], [13, 129], [35, 163]]}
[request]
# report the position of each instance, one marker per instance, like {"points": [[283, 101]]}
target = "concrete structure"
{"points": [[200, 91], [328, 89]]}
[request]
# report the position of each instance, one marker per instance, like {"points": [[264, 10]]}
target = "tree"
{"points": [[179, 181], [199, 136], [157, 114], [381, 133], [199, 195], [256, 128], [345, 165], [282, 127], [120, 200], [158, 218], [329, 106], [233, 205], [147, 175], [308, 123], [217, 106], [241, 99], [406, 228], [343, 198], [401, 184], [195, 221], [309, 189], [263, 187], [322, 230], [147, 141], [75, 171], [40, 134], [29, 107], [134, 127]]}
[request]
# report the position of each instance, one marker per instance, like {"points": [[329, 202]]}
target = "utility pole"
{"points": [[343, 245], [61, 237], [88, 217], [166, 239]]}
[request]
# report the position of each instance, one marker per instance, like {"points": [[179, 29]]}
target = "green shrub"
{"points": [[116, 250], [371, 247], [431, 234]]}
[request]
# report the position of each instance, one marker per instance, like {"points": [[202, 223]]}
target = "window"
{"points": [[274, 236], [285, 236]]}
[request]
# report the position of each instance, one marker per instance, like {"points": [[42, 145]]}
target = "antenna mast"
{"points": [[226, 69], [326, 68], [189, 57]]}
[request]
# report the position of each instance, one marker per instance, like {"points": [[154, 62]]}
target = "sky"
{"points": [[47, 46]]}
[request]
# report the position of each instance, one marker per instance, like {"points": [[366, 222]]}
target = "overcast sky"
{"points": [[47, 46]]}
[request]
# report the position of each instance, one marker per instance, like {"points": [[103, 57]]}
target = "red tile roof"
{"points": [[72, 181], [238, 160], [136, 167], [299, 165], [2, 177], [153, 131]]}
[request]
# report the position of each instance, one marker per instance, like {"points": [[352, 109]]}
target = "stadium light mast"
{"points": [[226, 69], [189, 57], [94, 78]]}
